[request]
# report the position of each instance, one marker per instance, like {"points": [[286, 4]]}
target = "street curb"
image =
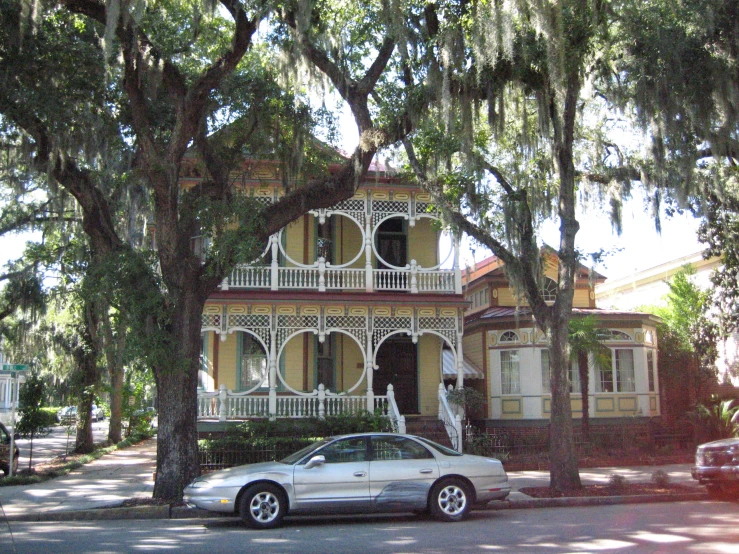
{"points": [[182, 512], [135, 512], [595, 501]]}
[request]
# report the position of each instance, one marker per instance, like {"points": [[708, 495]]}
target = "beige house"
{"points": [[650, 287], [502, 339]]}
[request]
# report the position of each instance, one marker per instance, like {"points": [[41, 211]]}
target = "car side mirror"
{"points": [[315, 461]]}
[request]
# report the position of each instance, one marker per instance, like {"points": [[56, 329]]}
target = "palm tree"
{"points": [[585, 343]]}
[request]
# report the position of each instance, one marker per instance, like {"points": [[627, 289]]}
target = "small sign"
{"points": [[15, 367]]}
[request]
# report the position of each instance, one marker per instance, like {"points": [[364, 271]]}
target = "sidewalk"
{"points": [[128, 473], [105, 482]]}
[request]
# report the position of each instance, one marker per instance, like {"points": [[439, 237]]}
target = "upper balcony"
{"points": [[322, 277], [381, 240]]}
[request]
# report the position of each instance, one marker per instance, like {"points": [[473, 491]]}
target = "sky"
{"points": [[641, 247]]}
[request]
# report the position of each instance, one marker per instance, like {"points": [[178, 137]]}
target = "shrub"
{"points": [[660, 478], [616, 482], [263, 440]]}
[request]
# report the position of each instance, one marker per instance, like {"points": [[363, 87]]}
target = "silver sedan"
{"points": [[365, 472]]}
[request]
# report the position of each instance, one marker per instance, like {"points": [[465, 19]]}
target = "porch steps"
{"points": [[428, 427]]}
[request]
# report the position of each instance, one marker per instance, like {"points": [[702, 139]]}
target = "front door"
{"points": [[397, 361]]}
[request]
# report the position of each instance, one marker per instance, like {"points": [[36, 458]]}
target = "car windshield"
{"points": [[436, 446], [302, 453]]}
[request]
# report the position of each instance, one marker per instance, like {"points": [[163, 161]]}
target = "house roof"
{"points": [[494, 267], [524, 312]]}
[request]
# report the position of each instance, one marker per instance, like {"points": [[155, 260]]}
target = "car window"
{"points": [[303, 452], [4, 436], [398, 448], [441, 448], [345, 450]]}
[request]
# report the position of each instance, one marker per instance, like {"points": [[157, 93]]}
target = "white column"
{"points": [[272, 407], [414, 277], [274, 268], [457, 268], [370, 371], [222, 403], [369, 284]]}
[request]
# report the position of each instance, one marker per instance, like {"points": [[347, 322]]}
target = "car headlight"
{"points": [[699, 458], [199, 485]]}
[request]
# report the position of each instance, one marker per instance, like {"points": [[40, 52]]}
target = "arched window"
{"points": [[508, 336], [549, 290], [612, 334], [252, 363]]}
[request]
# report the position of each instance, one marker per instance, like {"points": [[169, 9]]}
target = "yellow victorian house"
{"points": [[502, 339], [346, 308]]}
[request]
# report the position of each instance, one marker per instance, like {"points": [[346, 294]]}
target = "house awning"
{"points": [[471, 371]]}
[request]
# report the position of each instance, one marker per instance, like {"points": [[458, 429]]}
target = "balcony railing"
{"points": [[320, 277], [225, 405]]}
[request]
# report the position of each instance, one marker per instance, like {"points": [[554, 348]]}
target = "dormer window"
{"points": [[549, 290]]}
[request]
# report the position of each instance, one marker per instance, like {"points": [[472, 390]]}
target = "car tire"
{"points": [[450, 500], [263, 506]]}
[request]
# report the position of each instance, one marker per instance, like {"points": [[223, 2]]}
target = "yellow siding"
{"points": [[350, 241], [506, 297], [581, 298], [352, 366], [227, 362], [423, 243], [472, 348], [292, 354], [294, 241]]}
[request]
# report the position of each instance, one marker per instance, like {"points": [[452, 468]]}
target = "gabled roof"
{"points": [[493, 267]]}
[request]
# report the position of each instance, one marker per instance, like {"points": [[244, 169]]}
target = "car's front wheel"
{"points": [[263, 506], [450, 500]]}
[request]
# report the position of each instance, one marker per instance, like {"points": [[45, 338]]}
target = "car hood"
{"points": [[722, 443], [242, 473]]}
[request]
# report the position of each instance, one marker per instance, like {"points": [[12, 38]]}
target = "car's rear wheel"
{"points": [[263, 506], [450, 500]]}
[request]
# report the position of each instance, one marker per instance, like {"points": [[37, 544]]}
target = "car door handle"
{"points": [[426, 470], [360, 474]]}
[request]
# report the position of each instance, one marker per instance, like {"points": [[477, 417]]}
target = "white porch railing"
{"points": [[413, 279], [225, 405], [452, 420]]}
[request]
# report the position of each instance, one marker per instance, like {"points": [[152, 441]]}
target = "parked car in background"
{"points": [[5, 451], [97, 414], [365, 472], [67, 415], [717, 467]]}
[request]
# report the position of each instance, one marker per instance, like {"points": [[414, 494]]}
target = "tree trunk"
{"points": [[563, 460], [177, 449], [88, 368], [564, 475], [86, 358], [582, 368], [113, 354]]}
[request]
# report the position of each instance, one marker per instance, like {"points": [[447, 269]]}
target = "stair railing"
{"points": [[393, 412], [452, 420]]}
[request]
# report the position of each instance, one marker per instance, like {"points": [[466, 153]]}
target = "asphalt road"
{"points": [[704, 527], [56, 444]]}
